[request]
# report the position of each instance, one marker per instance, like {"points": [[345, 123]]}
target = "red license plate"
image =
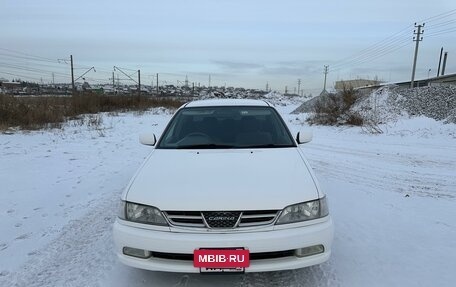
{"points": [[221, 258]]}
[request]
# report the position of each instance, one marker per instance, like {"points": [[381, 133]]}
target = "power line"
{"points": [[441, 32], [384, 49], [28, 65], [17, 54], [397, 41], [29, 59], [28, 69], [439, 16], [391, 40], [442, 24], [391, 44], [20, 76], [377, 56], [125, 74], [127, 69]]}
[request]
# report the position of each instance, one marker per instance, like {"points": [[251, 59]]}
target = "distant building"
{"points": [[11, 87], [449, 79], [445, 80], [353, 84]]}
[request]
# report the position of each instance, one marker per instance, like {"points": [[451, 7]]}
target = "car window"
{"points": [[226, 127]]}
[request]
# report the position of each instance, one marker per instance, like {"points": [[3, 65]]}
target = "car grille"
{"points": [[221, 219], [253, 256]]}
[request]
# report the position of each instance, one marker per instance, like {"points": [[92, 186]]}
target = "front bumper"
{"points": [[257, 242]]}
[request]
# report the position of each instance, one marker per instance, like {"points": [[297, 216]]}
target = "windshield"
{"points": [[226, 127]]}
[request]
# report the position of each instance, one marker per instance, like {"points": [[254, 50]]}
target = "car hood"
{"points": [[204, 180]]}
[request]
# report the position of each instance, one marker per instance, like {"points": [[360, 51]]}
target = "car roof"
{"points": [[228, 102]]}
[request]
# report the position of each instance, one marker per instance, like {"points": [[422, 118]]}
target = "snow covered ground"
{"points": [[392, 197]]}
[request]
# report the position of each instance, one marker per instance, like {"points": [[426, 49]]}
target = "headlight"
{"points": [[304, 211], [142, 214], [121, 211]]}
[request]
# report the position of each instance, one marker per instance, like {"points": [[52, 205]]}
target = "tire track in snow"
{"points": [[319, 275], [80, 256], [407, 174]]}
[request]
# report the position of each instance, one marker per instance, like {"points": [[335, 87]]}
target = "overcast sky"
{"points": [[239, 42]]}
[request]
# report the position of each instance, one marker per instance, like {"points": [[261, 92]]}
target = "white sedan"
{"points": [[225, 189]]}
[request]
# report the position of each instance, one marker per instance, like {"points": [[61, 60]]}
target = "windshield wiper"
{"points": [[266, 146], [204, 146]]}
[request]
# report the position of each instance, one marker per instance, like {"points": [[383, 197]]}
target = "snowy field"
{"points": [[392, 197]]}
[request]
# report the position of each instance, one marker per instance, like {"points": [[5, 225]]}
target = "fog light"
{"points": [[308, 251], [135, 252]]}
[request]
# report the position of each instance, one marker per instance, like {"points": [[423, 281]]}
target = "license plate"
{"points": [[221, 260], [222, 270]]}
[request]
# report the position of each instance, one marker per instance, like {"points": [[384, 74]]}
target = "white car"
{"points": [[226, 189]]}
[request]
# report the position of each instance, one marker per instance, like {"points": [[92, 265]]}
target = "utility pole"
{"points": [[158, 89], [113, 83], [299, 85], [128, 76], [193, 88], [267, 86], [326, 73], [440, 61], [445, 55], [139, 84], [72, 76], [417, 39]]}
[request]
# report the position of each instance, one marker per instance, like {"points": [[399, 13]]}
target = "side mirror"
{"points": [[148, 139], [304, 137]]}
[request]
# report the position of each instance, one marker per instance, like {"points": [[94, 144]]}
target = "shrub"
{"points": [[335, 109], [42, 112]]}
